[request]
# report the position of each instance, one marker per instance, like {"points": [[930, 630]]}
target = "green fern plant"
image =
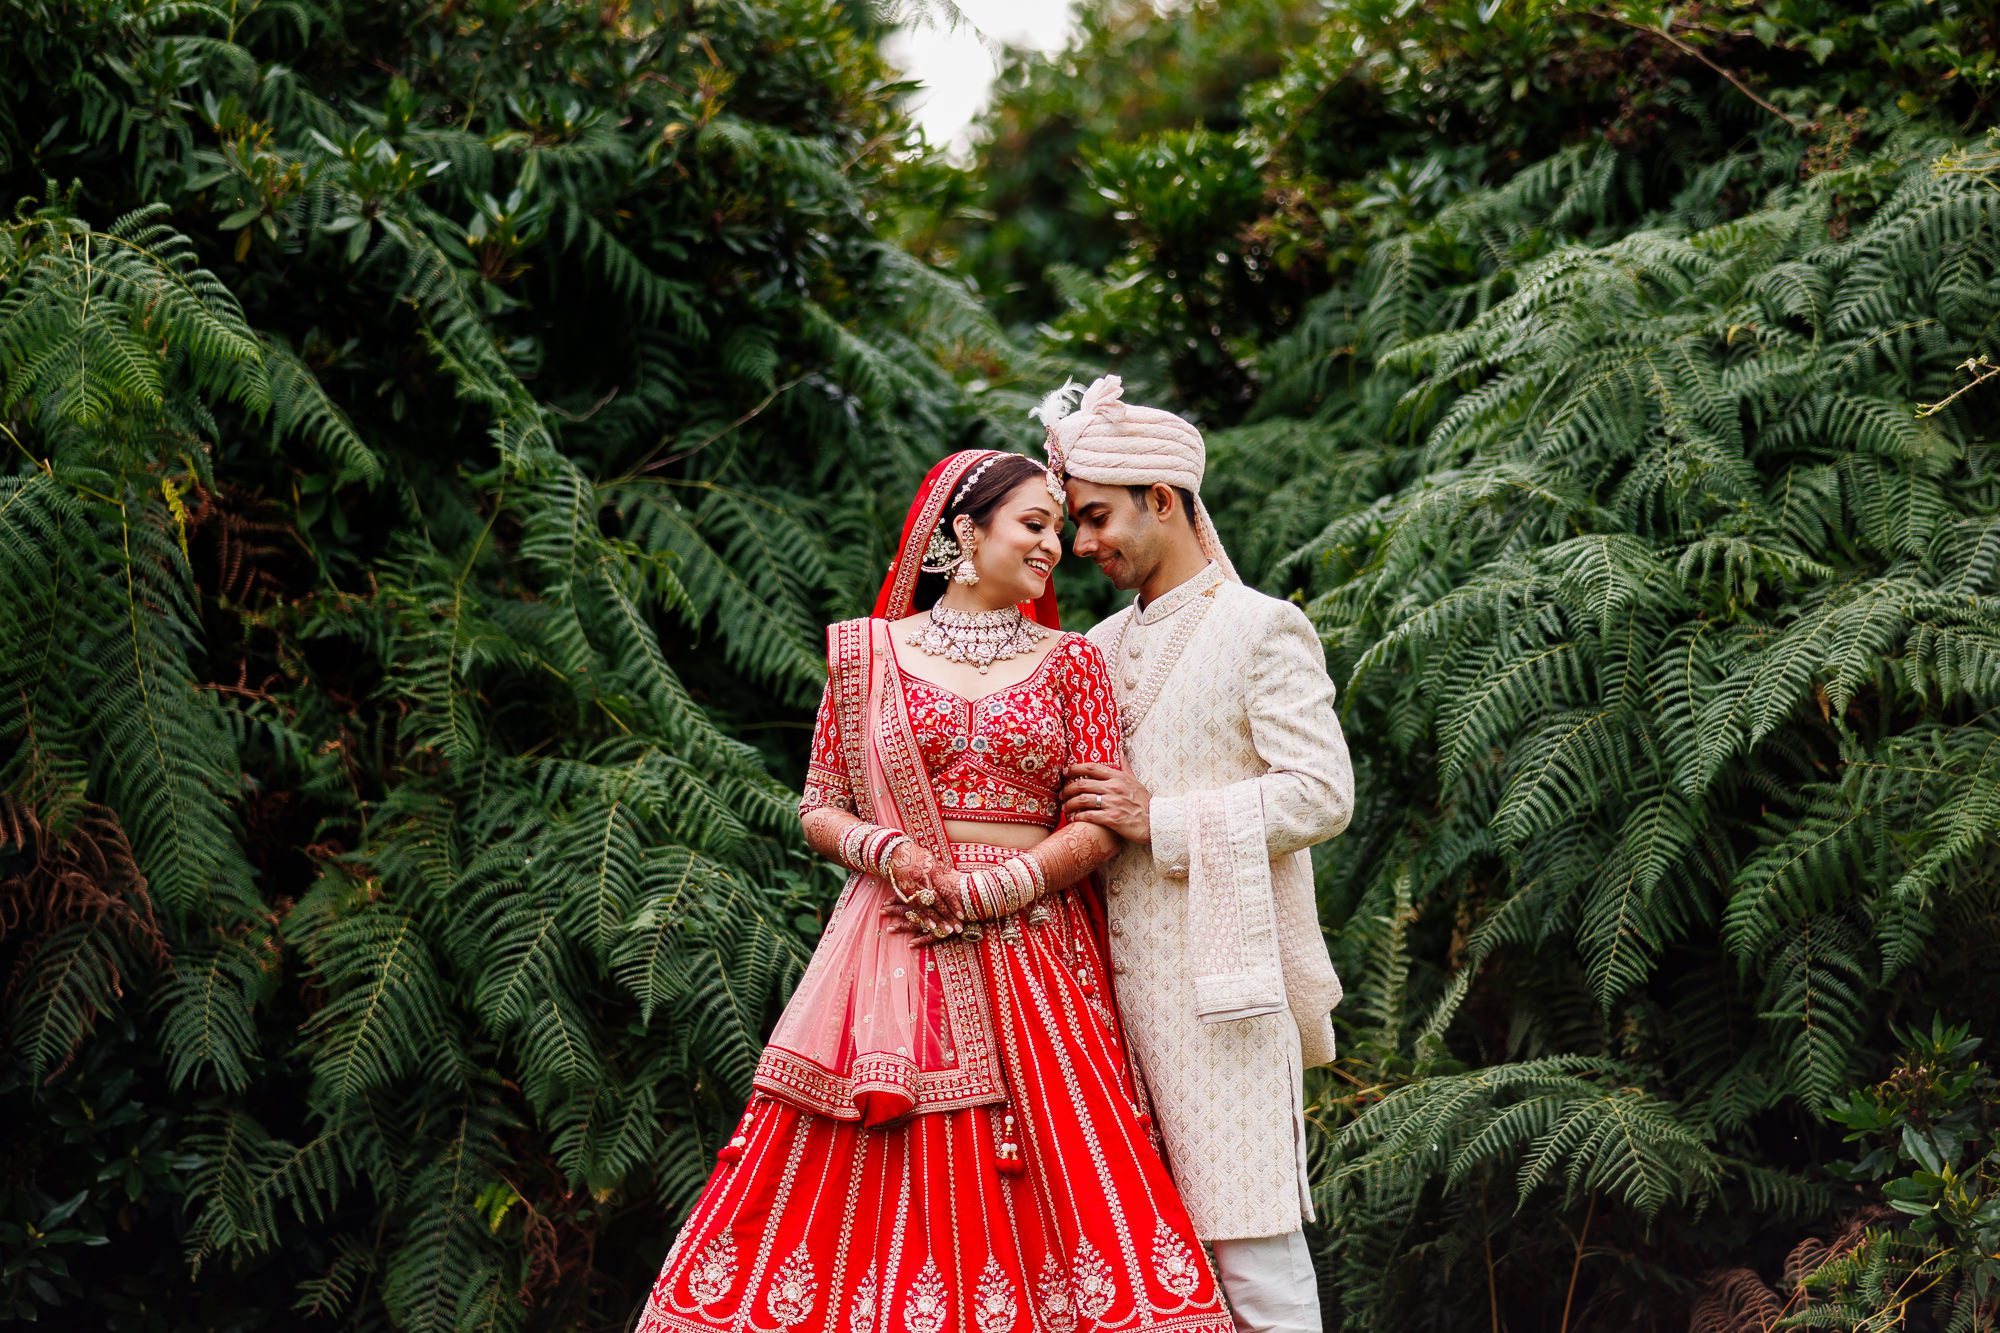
{"points": [[424, 507], [1675, 598]]}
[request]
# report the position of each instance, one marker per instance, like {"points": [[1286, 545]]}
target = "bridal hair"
{"points": [[976, 499]]}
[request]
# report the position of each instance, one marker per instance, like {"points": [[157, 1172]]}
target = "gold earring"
{"points": [[968, 541]]}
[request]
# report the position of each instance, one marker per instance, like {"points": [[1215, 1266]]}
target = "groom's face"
{"points": [[1114, 531]]}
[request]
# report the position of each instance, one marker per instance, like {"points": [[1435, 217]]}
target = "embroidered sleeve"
{"points": [[827, 784], [1089, 710]]}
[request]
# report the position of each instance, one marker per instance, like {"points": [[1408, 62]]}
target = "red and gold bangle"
{"points": [[868, 847], [1014, 884], [881, 846], [850, 845]]}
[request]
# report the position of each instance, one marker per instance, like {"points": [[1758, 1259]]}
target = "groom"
{"points": [[1235, 764]]}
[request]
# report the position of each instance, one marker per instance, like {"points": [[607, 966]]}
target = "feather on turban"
{"points": [[1114, 443]]}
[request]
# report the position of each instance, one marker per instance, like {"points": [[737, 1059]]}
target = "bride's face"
{"points": [[1019, 546]]}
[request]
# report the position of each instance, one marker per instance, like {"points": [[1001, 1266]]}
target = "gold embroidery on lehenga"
{"points": [[1173, 1262], [924, 1309], [1093, 1278], [1058, 1303], [861, 1315], [994, 1308], [713, 1272], [793, 1290], [1096, 1289]]}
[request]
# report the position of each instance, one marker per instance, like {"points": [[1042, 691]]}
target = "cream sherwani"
{"points": [[1227, 991]]}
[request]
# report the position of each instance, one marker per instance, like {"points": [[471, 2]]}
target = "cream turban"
{"points": [[1114, 443]]}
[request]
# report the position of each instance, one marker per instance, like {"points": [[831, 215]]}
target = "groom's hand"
{"points": [[1111, 797]]}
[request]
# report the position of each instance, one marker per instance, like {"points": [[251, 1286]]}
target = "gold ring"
{"points": [[940, 930], [924, 897], [912, 918]]}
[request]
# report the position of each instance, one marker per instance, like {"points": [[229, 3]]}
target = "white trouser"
{"points": [[1269, 1282]]}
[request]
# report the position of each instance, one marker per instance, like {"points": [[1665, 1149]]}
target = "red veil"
{"points": [[900, 584]]}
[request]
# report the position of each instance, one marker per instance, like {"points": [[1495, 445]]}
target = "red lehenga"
{"points": [[867, 1189]]}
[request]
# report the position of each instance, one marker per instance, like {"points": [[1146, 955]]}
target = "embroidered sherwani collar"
{"points": [[1172, 600], [1138, 696]]}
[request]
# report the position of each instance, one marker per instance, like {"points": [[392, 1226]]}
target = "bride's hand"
{"points": [[929, 901], [911, 866], [945, 919]]}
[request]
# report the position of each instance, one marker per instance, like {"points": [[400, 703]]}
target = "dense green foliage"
{"points": [[408, 597], [1573, 367], [437, 435]]}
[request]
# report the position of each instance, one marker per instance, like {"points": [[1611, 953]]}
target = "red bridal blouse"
{"points": [[998, 757]]}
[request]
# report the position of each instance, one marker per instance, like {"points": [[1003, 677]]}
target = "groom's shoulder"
{"points": [[1265, 624], [1247, 605]]}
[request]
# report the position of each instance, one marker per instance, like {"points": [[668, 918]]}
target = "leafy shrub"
{"points": [[438, 436], [1615, 398]]}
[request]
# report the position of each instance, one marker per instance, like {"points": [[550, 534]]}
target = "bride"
{"points": [[945, 1131]]}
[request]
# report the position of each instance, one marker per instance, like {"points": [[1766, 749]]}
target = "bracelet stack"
{"points": [[868, 847], [1004, 889]]}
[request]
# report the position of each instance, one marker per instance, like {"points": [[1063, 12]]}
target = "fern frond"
{"points": [[210, 1008], [385, 1012], [245, 1176], [300, 407]]}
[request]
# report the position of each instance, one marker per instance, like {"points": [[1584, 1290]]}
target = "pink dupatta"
{"points": [[879, 1029]]}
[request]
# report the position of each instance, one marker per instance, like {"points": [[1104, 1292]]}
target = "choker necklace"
{"points": [[979, 637]]}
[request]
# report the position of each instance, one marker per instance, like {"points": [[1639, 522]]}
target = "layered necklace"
{"points": [[979, 637]]}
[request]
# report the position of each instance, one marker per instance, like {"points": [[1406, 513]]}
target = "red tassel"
{"points": [[1007, 1161], [1145, 1122], [739, 1141]]}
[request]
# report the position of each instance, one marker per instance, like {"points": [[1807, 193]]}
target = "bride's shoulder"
{"points": [[862, 624], [847, 641], [1075, 650]]}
